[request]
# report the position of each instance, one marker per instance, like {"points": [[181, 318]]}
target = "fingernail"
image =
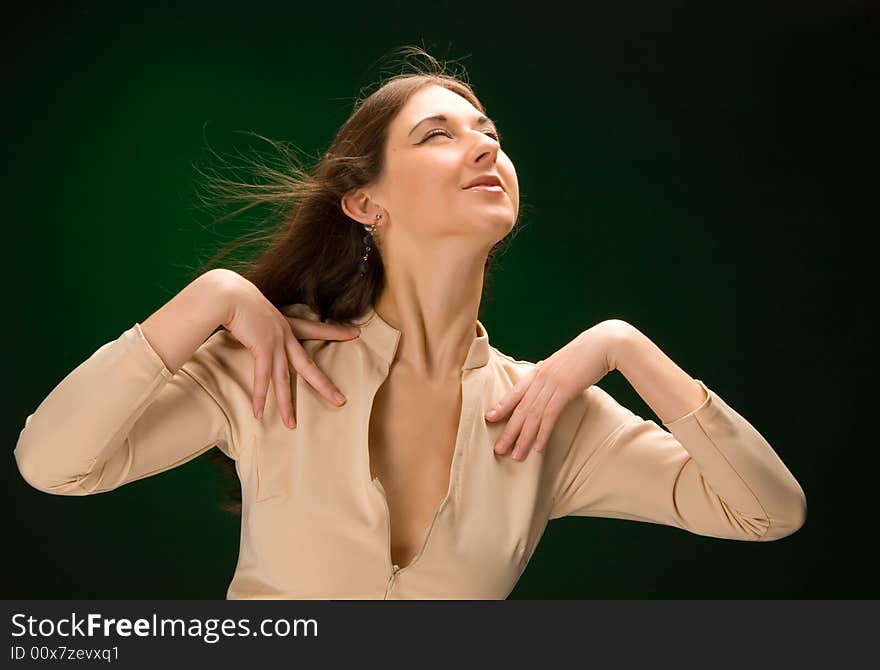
{"points": [[340, 399], [491, 413], [260, 414]]}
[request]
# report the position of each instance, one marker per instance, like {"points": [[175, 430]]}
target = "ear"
{"points": [[357, 206]]}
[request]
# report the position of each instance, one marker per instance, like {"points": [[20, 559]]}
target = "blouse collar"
{"points": [[383, 339]]}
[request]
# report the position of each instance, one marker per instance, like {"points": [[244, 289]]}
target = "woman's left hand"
{"points": [[539, 398]]}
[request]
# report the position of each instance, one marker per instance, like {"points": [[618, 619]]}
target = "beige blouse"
{"points": [[315, 525]]}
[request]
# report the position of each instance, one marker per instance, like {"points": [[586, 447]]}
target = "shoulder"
{"points": [[222, 355], [593, 400], [515, 368], [592, 412], [222, 363]]}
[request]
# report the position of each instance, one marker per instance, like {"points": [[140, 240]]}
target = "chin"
{"points": [[497, 228], [493, 224]]}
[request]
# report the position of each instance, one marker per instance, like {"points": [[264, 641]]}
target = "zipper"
{"points": [[463, 423], [394, 570], [394, 567]]}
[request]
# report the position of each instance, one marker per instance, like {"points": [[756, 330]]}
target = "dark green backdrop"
{"points": [[702, 174]]}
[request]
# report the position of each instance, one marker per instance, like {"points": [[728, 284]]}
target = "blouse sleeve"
{"points": [[712, 475], [121, 415]]}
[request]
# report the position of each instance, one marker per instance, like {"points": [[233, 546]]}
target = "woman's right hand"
{"points": [[273, 339]]}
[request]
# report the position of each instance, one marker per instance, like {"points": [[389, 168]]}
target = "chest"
{"points": [[412, 438]]}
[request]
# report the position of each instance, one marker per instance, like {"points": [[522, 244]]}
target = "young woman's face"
{"points": [[428, 163]]}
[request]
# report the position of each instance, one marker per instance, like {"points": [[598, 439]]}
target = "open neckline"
{"points": [[383, 339], [452, 482]]}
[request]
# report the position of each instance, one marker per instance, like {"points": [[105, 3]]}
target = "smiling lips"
{"points": [[486, 187], [485, 182]]}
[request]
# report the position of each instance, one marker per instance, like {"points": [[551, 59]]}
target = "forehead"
{"points": [[432, 100]]}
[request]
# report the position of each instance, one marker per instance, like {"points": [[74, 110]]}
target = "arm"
{"points": [[122, 415], [712, 475], [180, 326], [665, 387]]}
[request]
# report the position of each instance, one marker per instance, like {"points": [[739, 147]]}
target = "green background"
{"points": [[703, 174]]}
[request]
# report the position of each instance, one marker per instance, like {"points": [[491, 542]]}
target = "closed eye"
{"points": [[438, 131]]}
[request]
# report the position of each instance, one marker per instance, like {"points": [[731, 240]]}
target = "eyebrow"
{"points": [[481, 120]]}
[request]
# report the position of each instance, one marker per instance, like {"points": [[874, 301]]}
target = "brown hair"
{"points": [[313, 254]]}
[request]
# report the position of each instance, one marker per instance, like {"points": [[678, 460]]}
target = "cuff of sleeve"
{"points": [[691, 414], [145, 357]]}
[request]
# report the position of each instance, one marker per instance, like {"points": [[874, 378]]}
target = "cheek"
{"points": [[423, 184], [422, 198]]}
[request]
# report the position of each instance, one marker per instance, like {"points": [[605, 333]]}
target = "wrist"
{"points": [[618, 336], [219, 294]]}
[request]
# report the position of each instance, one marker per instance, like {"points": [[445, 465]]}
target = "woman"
{"points": [[405, 488]]}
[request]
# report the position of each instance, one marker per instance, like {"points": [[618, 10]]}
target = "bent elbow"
{"points": [[790, 522], [30, 472], [38, 476]]}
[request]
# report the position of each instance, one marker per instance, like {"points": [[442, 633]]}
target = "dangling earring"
{"points": [[368, 241]]}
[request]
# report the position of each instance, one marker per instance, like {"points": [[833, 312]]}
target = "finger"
{"points": [[515, 423], [548, 421], [305, 329], [281, 382], [262, 373], [510, 400], [310, 372], [533, 421]]}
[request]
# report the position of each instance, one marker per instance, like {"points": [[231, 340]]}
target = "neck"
{"points": [[436, 312]]}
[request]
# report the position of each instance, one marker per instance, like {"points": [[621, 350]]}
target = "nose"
{"points": [[485, 150]]}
